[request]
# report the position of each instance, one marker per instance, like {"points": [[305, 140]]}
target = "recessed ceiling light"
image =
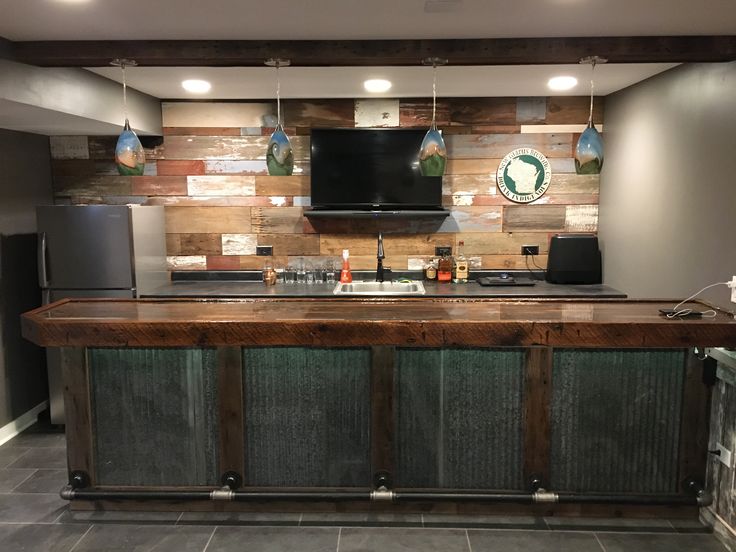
{"points": [[562, 83], [196, 86], [377, 85], [72, 1]]}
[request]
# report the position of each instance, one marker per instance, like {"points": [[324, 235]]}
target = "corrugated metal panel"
{"points": [[155, 416], [307, 416], [616, 420], [459, 416]]}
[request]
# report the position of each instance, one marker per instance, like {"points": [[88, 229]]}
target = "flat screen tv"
{"points": [[371, 169]]}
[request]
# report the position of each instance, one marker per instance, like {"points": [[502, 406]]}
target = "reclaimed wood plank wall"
{"points": [[210, 174]]}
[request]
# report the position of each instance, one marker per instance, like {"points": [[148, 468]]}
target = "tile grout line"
{"points": [[14, 461], [467, 537], [178, 519], [599, 542], [35, 470], [61, 515], [82, 537], [339, 534], [301, 517], [206, 546]]}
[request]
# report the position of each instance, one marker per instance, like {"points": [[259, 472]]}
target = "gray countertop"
{"points": [[433, 289]]}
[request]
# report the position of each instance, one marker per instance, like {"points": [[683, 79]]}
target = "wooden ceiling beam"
{"points": [[322, 53]]}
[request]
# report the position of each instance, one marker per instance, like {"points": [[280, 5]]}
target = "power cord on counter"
{"points": [[534, 277], [677, 312]]}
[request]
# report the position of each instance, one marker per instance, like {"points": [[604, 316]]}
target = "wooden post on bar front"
{"points": [[78, 412]]}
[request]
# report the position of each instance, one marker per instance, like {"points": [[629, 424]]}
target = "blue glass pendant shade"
{"points": [[589, 152], [433, 153], [129, 155], [279, 157]]}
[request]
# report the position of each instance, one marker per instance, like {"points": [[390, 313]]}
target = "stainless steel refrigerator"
{"points": [[96, 251]]}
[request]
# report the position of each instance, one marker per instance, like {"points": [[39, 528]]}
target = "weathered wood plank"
{"points": [[513, 262], [504, 243], [277, 220], [78, 411], [222, 201], [207, 220], [230, 410], [297, 185], [573, 109], [499, 199], [534, 218], [227, 147], [383, 423], [159, 185], [482, 111], [223, 262], [202, 131], [291, 244], [198, 244], [239, 244], [484, 146], [212, 185], [215, 114], [473, 219], [362, 244], [581, 218], [537, 398], [180, 167], [93, 185], [224, 166], [317, 113]]}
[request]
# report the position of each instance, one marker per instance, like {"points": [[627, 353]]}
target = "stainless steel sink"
{"points": [[380, 288]]}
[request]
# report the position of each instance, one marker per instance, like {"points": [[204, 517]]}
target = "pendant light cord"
{"points": [[278, 96], [125, 95], [434, 94], [592, 87]]}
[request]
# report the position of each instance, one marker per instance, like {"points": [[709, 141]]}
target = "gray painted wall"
{"points": [[25, 181], [668, 187]]}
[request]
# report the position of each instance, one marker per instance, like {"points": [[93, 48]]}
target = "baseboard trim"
{"points": [[22, 422], [721, 529]]}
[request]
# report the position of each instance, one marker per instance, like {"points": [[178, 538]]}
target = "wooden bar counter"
{"points": [[456, 395]]}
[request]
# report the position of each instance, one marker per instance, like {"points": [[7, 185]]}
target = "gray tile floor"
{"points": [[34, 519]]}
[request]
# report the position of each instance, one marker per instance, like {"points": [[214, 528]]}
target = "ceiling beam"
{"points": [[321, 53]]}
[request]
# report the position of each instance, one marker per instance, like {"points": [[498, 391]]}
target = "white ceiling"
{"points": [[359, 19], [347, 82]]}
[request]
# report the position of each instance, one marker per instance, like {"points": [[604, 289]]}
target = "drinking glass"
{"points": [[289, 275]]}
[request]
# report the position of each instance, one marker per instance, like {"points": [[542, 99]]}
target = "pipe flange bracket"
{"points": [[79, 479], [545, 496], [382, 495], [232, 480], [225, 494]]}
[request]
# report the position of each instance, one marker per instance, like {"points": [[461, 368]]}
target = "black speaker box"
{"points": [[574, 259]]}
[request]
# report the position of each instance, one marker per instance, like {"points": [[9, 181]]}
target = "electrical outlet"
{"points": [[264, 250], [724, 455], [530, 250], [733, 289], [441, 250]]}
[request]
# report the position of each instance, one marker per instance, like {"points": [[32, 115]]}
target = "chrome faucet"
{"points": [[380, 256]]}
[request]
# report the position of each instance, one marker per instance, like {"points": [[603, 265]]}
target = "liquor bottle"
{"points": [[444, 269], [345, 276], [460, 266], [430, 269]]}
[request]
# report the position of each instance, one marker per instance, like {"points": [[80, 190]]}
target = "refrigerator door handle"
{"points": [[43, 280]]}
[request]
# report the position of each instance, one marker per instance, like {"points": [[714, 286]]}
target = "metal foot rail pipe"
{"points": [[698, 497]]}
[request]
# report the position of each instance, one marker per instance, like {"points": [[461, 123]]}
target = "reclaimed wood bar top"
{"points": [[365, 322]]}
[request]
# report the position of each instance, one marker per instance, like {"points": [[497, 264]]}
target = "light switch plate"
{"points": [[264, 250]]}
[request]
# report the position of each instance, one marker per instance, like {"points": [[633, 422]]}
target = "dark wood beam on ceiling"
{"points": [[321, 53]]}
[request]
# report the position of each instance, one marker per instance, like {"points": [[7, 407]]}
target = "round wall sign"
{"points": [[523, 175]]}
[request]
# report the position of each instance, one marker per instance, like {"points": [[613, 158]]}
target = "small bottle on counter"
{"points": [[444, 269], [460, 266], [345, 276], [430, 269]]}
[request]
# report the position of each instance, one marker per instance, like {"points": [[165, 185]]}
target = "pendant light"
{"points": [[129, 155], [279, 156], [433, 153], [589, 150]]}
